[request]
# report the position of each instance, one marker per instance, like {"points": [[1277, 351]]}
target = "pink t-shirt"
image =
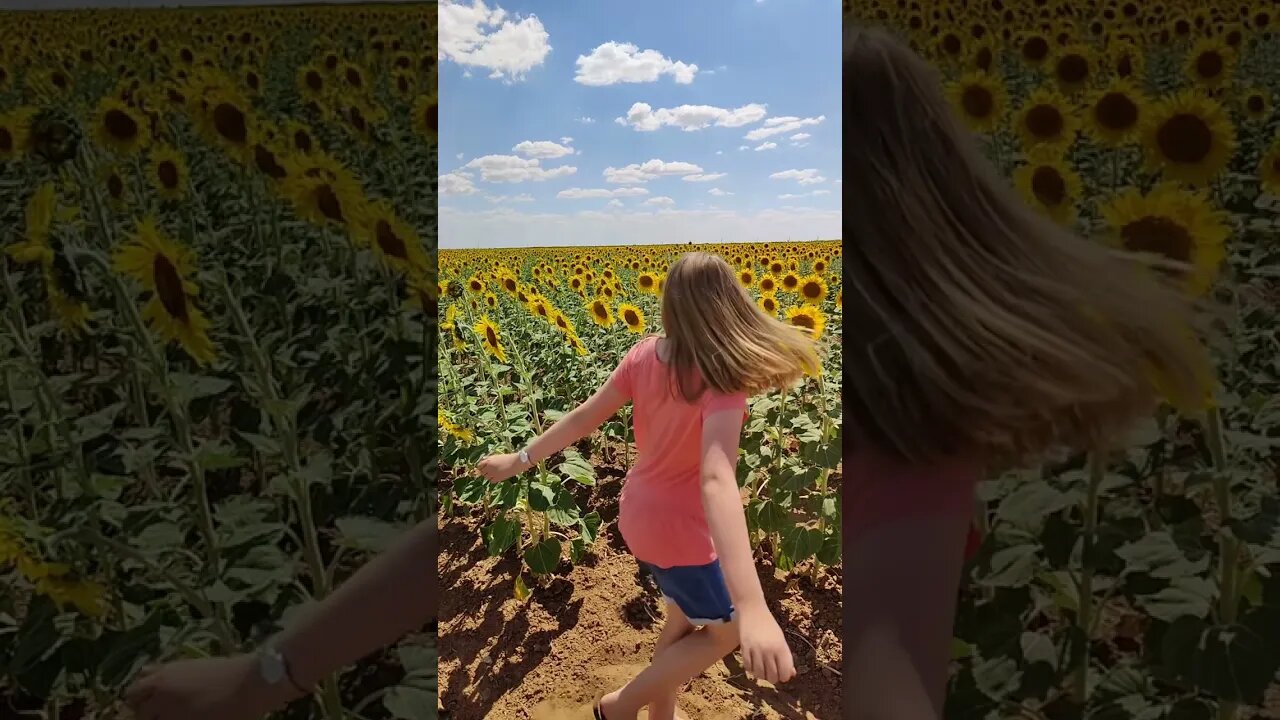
{"points": [[660, 513], [881, 488]]}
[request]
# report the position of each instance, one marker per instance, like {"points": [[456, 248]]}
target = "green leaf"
{"points": [[216, 456], [997, 677], [1039, 647], [319, 469], [365, 533], [94, 426], [800, 543], [194, 387], [1031, 503], [771, 517], [501, 534], [1011, 567], [263, 444], [589, 526], [543, 557], [541, 497], [409, 702], [1234, 662], [521, 591], [1185, 597], [576, 467]]}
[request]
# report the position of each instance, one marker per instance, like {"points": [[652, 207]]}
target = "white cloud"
{"points": [[804, 177], [509, 168], [585, 120], [790, 196], [459, 156], [800, 136], [743, 147], [508, 46], [703, 177], [542, 149], [588, 193], [643, 118], [566, 140], [778, 125], [718, 152], [637, 173], [521, 198], [456, 183], [765, 146], [662, 200], [613, 62], [718, 192], [614, 203], [509, 227]]}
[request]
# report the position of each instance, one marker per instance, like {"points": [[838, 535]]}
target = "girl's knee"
{"points": [[725, 634]]}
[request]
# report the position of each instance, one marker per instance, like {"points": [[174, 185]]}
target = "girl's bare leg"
{"points": [[675, 629], [685, 659]]}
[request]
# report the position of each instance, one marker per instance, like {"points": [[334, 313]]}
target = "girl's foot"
{"points": [[607, 707]]}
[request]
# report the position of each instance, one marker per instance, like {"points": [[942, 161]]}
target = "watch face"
{"points": [[271, 665]]}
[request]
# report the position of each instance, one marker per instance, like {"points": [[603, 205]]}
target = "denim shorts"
{"points": [[698, 590]]}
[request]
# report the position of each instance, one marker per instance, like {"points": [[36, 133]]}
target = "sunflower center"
{"points": [[251, 80], [811, 290], [313, 80], [977, 101], [769, 304], [1158, 235], [1255, 104], [357, 119], [1124, 66], [267, 164], [1045, 121], [120, 124], [353, 77], [1048, 185], [631, 317], [302, 141], [115, 186], [599, 309], [491, 336], [390, 242], [646, 281], [229, 122], [1073, 69], [803, 321], [59, 81], [328, 203], [1117, 111], [167, 171], [951, 44], [169, 288], [509, 284], [1209, 64], [1035, 49], [1185, 138], [6, 140], [766, 285], [983, 59]]}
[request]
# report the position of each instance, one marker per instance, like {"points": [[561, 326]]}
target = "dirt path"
{"points": [[591, 627]]}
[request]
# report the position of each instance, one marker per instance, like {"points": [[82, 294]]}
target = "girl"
{"points": [[680, 511], [979, 334]]}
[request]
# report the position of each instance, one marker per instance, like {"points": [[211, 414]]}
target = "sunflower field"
{"points": [[1146, 584], [529, 334], [219, 296]]}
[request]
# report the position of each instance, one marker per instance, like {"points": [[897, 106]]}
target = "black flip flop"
{"points": [[597, 713]]}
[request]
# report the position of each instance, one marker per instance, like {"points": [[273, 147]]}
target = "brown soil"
{"points": [[589, 628]]}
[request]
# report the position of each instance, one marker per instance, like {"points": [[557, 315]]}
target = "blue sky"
{"points": [[617, 122]]}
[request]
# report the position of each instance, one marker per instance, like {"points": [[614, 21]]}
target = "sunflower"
{"points": [[768, 284], [112, 179], [15, 130], [601, 313], [66, 294], [65, 587], [392, 239], [768, 303], [168, 172], [1126, 61], [1115, 113], [1256, 104], [1034, 49], [426, 117], [491, 300], [271, 158], [647, 282], [166, 270], [746, 277], [34, 246], [1044, 122], [1179, 225], [790, 282], [475, 284], [632, 317], [1189, 137], [300, 137], [813, 289], [423, 295], [1072, 68], [323, 190], [119, 127], [980, 100], [453, 430], [228, 120], [776, 267], [487, 330], [1210, 64], [313, 84], [576, 343], [1052, 187], [1269, 171], [808, 318]]}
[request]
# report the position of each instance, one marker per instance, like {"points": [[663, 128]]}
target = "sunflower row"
{"points": [[56, 581]]}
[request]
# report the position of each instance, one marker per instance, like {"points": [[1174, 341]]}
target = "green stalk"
{"points": [[1084, 614], [1228, 544]]}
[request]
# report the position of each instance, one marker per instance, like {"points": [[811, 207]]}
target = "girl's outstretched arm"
{"points": [[765, 652], [575, 425], [393, 595]]}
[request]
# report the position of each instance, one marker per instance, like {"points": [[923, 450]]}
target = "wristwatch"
{"points": [[524, 456], [274, 668]]}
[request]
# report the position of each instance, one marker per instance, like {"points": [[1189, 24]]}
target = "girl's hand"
{"points": [[206, 689], [765, 653], [497, 468]]}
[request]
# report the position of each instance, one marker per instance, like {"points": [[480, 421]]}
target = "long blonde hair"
{"points": [[977, 326], [712, 326]]}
